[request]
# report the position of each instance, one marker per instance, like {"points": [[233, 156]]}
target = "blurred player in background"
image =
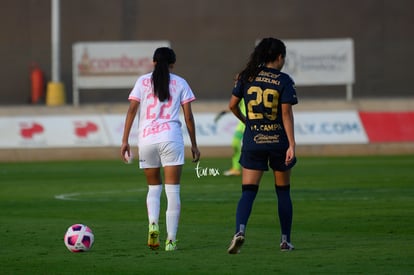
{"points": [[268, 139], [159, 96], [236, 144]]}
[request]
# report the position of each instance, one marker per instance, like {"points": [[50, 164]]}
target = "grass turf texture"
{"points": [[351, 215]]}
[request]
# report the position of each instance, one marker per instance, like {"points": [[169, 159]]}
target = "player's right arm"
{"points": [[235, 108], [129, 120]]}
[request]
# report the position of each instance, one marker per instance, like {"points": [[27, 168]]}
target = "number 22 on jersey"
{"points": [[152, 110]]}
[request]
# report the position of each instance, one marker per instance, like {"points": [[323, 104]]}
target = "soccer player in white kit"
{"points": [[158, 96]]}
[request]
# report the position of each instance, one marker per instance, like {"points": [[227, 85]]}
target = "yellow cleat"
{"points": [[153, 236], [170, 245], [232, 172]]}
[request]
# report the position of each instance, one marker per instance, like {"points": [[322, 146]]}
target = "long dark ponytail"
{"points": [[163, 58], [266, 51]]}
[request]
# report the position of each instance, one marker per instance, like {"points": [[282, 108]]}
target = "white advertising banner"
{"points": [[102, 65], [208, 132], [336, 127], [115, 126], [56, 131], [320, 62]]}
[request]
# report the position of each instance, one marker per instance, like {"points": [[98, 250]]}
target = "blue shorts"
{"points": [[262, 160]]}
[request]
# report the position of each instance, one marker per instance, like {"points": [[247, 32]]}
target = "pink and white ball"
{"points": [[79, 238]]}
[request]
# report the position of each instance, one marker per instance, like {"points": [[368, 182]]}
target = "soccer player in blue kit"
{"points": [[268, 139]]}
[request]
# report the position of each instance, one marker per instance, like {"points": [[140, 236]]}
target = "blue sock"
{"points": [[285, 210], [244, 208]]}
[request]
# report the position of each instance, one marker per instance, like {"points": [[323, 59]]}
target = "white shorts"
{"points": [[161, 154]]}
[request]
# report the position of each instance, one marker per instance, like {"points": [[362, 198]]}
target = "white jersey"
{"points": [[160, 121]]}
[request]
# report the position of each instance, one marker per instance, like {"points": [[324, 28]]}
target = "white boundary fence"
{"points": [[74, 131]]}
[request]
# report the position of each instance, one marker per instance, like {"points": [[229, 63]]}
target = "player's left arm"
{"points": [[288, 122], [189, 121]]}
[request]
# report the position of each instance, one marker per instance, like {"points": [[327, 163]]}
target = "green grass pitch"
{"points": [[351, 215]]}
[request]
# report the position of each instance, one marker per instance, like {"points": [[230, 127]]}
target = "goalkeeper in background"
{"points": [[236, 143]]}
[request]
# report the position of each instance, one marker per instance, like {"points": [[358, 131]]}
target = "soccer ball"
{"points": [[78, 238]]}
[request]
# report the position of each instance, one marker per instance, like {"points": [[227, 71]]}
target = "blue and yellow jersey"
{"points": [[263, 99]]}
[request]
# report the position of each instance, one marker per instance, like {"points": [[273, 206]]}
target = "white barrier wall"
{"points": [[342, 127]]}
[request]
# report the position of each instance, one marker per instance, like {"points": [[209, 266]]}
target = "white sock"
{"points": [[153, 202], [173, 209]]}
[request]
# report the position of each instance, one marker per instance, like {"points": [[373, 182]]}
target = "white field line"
{"points": [[77, 196]]}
